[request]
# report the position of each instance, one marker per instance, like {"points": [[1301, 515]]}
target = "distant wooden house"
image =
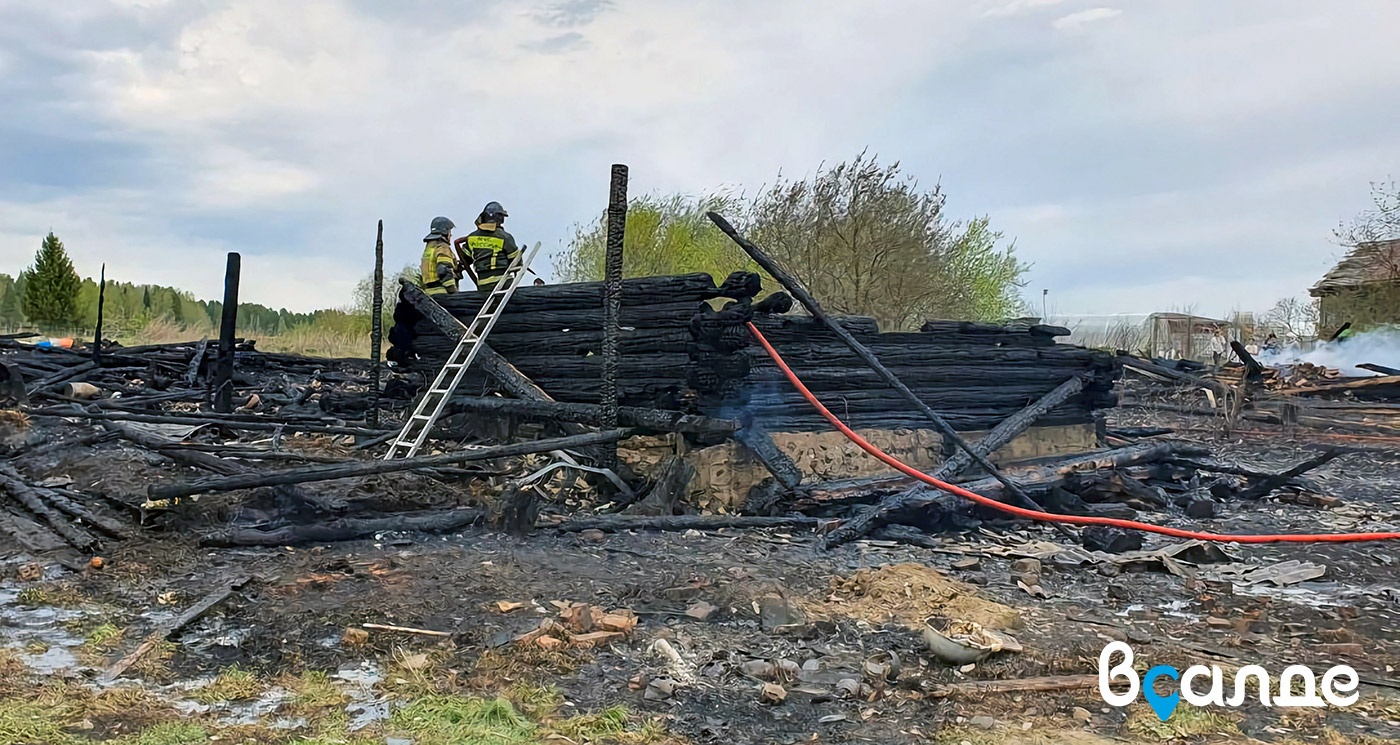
{"points": [[1363, 288]]}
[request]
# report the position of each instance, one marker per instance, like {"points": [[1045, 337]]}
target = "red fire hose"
{"points": [[914, 473]]}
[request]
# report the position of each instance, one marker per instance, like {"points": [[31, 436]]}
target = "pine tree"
{"points": [[9, 302], [51, 296]]}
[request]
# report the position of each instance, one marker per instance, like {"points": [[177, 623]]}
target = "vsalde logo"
{"points": [[1335, 682]]}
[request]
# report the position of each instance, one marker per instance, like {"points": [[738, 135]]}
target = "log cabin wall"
{"points": [[678, 353]]}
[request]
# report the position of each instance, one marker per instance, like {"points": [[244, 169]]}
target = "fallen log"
{"points": [[1021, 685], [66, 504], [174, 626], [28, 534], [62, 377], [615, 523], [1152, 368], [28, 496], [1266, 486], [344, 529], [760, 443], [996, 439], [332, 472], [1382, 369], [185, 455], [1374, 386], [231, 423]]}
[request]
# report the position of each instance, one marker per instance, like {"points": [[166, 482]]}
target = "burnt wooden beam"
{"points": [[344, 529], [370, 468], [628, 416], [1253, 371], [28, 496], [228, 331], [1152, 368], [172, 627], [612, 301], [197, 459], [926, 499], [614, 523], [1267, 485], [196, 361], [254, 426], [760, 443], [1382, 369], [376, 328], [514, 381], [996, 439], [101, 301], [800, 293]]}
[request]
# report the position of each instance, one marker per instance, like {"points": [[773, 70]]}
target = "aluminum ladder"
{"points": [[430, 406]]}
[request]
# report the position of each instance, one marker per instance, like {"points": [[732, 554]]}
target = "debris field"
{"points": [[263, 574]]}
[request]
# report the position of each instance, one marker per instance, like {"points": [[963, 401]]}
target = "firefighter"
{"points": [[489, 248], [440, 268]]}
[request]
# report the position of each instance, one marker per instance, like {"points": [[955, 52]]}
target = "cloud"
{"points": [[1123, 161], [1019, 7], [1076, 21]]}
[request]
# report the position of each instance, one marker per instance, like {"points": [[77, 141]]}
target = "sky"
{"points": [[1143, 154]]}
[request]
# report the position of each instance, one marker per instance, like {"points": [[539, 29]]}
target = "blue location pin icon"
{"points": [[1163, 705]]}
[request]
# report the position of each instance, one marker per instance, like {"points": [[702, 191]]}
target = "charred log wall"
{"points": [[678, 353]]}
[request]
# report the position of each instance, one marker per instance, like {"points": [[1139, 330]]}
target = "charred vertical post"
{"points": [[101, 299], [612, 301], [223, 379], [376, 328]]}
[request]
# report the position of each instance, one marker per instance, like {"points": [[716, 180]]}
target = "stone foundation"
{"points": [[725, 473]]}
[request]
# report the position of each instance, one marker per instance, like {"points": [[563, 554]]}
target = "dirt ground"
{"points": [[718, 616]]}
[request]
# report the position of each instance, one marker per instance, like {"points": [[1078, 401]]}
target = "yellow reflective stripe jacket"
{"points": [[491, 250], [436, 253]]}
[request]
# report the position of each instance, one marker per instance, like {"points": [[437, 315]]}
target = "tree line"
{"points": [[50, 296]]}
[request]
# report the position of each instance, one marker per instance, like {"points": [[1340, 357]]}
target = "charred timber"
{"points": [[28, 496], [933, 502], [655, 420], [614, 523], [344, 529], [959, 462], [370, 468]]}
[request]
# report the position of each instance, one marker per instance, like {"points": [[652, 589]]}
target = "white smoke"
{"points": [[1378, 347]]}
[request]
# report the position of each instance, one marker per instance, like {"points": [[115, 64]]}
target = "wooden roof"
{"points": [[1368, 263]]}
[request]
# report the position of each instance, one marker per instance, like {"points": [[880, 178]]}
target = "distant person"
{"points": [[440, 268], [1217, 347], [490, 249], [1271, 344]]}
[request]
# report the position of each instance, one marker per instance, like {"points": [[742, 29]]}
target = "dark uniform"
{"points": [[489, 248]]}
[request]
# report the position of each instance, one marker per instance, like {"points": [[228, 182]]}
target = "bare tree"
{"points": [[1294, 317], [1379, 223]]}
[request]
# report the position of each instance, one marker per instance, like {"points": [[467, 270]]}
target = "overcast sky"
{"points": [[1144, 154]]}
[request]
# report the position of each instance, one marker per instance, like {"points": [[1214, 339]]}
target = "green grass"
{"points": [[1186, 722], [455, 720], [314, 691], [233, 684], [104, 638], [32, 723], [168, 733]]}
